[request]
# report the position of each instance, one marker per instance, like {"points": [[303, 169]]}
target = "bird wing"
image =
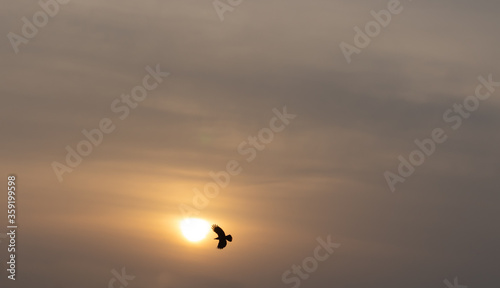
{"points": [[219, 231], [222, 243]]}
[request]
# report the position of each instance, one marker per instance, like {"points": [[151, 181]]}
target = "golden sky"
{"points": [[321, 175]]}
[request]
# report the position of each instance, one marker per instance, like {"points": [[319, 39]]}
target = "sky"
{"points": [[383, 142]]}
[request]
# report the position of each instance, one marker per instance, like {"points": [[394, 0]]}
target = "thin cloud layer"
{"points": [[322, 175]]}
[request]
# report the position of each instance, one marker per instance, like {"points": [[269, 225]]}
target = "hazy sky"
{"points": [[322, 175]]}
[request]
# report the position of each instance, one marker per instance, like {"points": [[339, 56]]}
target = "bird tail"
{"points": [[229, 238]]}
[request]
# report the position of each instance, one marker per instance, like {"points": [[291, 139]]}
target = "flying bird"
{"points": [[222, 236]]}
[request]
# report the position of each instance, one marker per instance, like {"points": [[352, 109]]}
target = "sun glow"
{"points": [[195, 229]]}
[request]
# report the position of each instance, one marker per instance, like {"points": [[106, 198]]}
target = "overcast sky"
{"points": [[324, 175]]}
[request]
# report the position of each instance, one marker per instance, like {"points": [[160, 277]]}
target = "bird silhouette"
{"points": [[222, 236]]}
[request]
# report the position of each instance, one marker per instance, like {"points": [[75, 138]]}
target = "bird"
{"points": [[222, 236]]}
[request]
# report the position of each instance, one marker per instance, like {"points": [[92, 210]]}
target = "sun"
{"points": [[195, 229]]}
